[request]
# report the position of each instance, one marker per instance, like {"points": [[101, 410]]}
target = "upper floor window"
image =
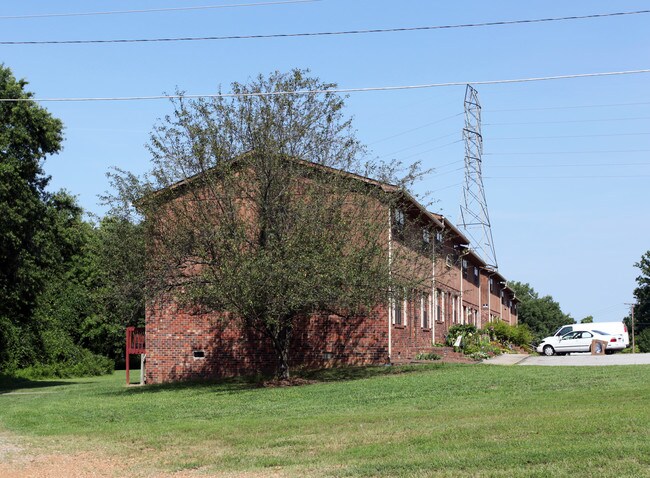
{"points": [[465, 266], [449, 260], [476, 275], [426, 239], [438, 237], [399, 223], [491, 281]]}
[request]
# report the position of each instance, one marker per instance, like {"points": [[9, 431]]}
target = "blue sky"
{"points": [[565, 176]]}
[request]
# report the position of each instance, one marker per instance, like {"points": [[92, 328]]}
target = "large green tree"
{"points": [[28, 134], [247, 214], [113, 276], [543, 315]]}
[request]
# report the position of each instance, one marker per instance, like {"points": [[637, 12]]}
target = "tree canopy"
{"points": [[642, 306], [250, 209], [543, 315], [66, 288]]}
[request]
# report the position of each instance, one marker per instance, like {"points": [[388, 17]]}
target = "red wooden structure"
{"points": [[134, 345]]}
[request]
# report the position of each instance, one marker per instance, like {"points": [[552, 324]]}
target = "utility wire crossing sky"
{"points": [[330, 33], [338, 90]]}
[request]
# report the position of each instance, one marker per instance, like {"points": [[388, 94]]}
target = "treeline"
{"points": [[68, 287]]}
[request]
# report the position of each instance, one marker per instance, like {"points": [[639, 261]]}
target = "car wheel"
{"points": [[548, 350]]}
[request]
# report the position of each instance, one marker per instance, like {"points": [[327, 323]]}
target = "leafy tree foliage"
{"points": [[642, 307], [265, 229], [114, 276], [28, 134], [67, 288], [543, 315], [587, 320]]}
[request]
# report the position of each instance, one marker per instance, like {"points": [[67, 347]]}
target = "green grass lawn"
{"points": [[437, 420]]}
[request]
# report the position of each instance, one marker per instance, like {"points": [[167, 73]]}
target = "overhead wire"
{"points": [[570, 136], [598, 120], [153, 10], [338, 90], [455, 133], [416, 128], [564, 107], [576, 165], [334, 33], [541, 153], [569, 177]]}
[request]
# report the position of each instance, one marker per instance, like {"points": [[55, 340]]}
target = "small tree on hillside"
{"points": [[642, 306], [251, 211]]}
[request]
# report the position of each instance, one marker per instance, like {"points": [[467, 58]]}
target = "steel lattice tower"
{"points": [[474, 217]]}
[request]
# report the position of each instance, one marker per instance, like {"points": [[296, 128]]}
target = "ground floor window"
{"points": [[398, 309], [425, 310]]}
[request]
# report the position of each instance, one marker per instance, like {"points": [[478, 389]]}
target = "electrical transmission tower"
{"points": [[474, 217]]}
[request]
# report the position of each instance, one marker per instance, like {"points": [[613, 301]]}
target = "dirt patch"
{"points": [[18, 459], [288, 382]]}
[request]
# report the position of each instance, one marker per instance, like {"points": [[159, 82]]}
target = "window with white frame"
{"points": [[398, 309], [426, 239], [452, 309], [426, 310], [399, 223]]}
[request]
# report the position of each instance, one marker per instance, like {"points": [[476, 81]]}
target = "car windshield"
{"points": [[563, 330]]}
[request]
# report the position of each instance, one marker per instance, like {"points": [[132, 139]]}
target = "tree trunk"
{"points": [[281, 345], [282, 372]]}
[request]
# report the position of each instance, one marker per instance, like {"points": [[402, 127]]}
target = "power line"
{"points": [[446, 187], [335, 90], [600, 120], [153, 10], [569, 177], [332, 33], [577, 165], [415, 129], [568, 152], [571, 136], [455, 133], [432, 149], [539, 108]]}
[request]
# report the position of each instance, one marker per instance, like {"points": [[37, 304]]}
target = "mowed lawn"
{"points": [[437, 420]]}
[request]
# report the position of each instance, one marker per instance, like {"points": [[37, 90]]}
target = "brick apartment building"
{"points": [[459, 288]]}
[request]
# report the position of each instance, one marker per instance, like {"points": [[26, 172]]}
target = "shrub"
{"points": [[78, 363], [507, 334], [429, 356], [466, 330], [642, 341]]}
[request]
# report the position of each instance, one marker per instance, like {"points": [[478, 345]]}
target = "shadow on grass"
{"points": [[217, 386], [239, 384], [342, 374], [9, 383]]}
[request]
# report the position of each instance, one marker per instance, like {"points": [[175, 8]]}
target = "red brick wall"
{"points": [[318, 341]]}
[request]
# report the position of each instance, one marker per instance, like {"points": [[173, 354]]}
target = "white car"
{"points": [[579, 341]]}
